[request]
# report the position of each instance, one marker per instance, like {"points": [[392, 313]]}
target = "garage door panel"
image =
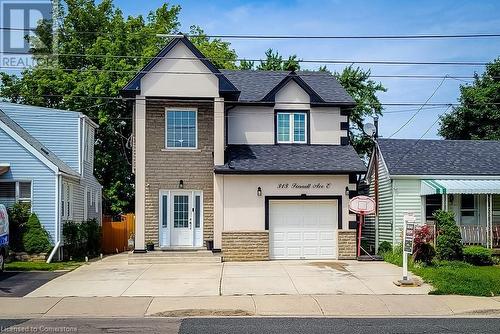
{"points": [[278, 236], [310, 236], [302, 229], [327, 251], [293, 252], [326, 235], [293, 236]]}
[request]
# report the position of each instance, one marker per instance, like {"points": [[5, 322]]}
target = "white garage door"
{"points": [[302, 229]]}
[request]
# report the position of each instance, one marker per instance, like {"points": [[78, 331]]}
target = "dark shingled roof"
{"points": [[441, 157], [255, 85], [293, 159]]}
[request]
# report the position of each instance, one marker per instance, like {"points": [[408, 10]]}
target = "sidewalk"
{"points": [[266, 305]]}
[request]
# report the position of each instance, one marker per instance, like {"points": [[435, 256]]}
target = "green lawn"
{"points": [[454, 277], [41, 266], [451, 278]]}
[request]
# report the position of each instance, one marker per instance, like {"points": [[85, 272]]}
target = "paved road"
{"points": [[254, 325], [19, 284]]}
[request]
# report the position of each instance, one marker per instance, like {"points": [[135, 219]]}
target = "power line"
{"points": [[311, 61], [403, 104], [259, 36], [416, 113], [302, 74]]}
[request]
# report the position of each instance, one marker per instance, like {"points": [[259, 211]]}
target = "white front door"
{"points": [[302, 229], [181, 219]]}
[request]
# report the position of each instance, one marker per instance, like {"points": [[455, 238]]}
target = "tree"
{"points": [[273, 62], [98, 64], [363, 90], [216, 50], [478, 115]]}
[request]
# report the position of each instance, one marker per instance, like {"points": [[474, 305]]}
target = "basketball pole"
{"points": [[361, 221]]}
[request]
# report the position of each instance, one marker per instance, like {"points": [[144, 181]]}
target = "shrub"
{"points": [[36, 239], [449, 241], [423, 251], [396, 256], [478, 256], [92, 232], [19, 214], [82, 239], [384, 247], [425, 254]]}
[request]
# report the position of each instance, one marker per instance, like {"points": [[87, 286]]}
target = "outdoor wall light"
{"points": [[259, 191], [181, 184], [347, 191]]}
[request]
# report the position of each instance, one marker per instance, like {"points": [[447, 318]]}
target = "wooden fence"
{"points": [[115, 234]]}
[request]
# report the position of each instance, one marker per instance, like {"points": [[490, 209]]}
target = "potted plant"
{"points": [[150, 246]]}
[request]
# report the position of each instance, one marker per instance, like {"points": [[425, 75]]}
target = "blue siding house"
{"points": [[47, 159]]}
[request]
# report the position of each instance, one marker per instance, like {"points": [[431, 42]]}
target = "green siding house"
{"points": [[421, 176]]}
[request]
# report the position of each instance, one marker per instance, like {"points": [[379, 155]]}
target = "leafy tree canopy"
{"points": [[363, 90], [108, 59], [478, 115], [99, 51], [273, 62]]}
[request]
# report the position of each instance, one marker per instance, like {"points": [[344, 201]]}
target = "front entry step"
{"points": [[177, 256]]}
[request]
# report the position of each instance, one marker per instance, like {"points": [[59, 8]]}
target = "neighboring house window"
{"points": [[181, 129], [291, 127], [67, 201], [432, 204], [96, 202], [15, 191], [86, 143]]}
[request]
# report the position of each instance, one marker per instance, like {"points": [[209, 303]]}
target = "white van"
{"points": [[4, 235]]}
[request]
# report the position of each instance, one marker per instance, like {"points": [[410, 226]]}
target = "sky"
{"points": [[354, 17]]}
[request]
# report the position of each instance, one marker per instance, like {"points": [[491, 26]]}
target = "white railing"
{"points": [[495, 235], [474, 234]]}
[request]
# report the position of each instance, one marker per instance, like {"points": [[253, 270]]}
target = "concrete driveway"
{"points": [[113, 276]]}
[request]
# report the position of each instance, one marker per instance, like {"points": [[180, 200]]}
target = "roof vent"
{"points": [[231, 164], [44, 150]]}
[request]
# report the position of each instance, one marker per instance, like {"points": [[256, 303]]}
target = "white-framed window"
{"points": [[67, 201], [86, 139], [291, 127], [181, 128], [96, 202], [16, 191]]}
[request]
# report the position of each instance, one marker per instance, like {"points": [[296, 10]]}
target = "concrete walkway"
{"points": [[114, 277], [275, 305]]}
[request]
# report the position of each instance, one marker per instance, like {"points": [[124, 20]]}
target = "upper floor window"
{"points": [[291, 127], [12, 192], [87, 144], [181, 128]]}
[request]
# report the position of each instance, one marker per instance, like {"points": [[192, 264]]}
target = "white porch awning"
{"points": [[431, 187]]}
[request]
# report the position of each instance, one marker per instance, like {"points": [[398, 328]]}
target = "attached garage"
{"points": [[303, 229]]}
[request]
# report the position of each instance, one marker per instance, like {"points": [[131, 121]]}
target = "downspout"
{"points": [[58, 220], [393, 214]]}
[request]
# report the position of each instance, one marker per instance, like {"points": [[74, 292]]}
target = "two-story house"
{"points": [[47, 160], [256, 164]]}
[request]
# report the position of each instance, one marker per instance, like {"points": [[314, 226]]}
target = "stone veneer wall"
{"points": [[347, 244], [245, 246], [164, 168]]}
